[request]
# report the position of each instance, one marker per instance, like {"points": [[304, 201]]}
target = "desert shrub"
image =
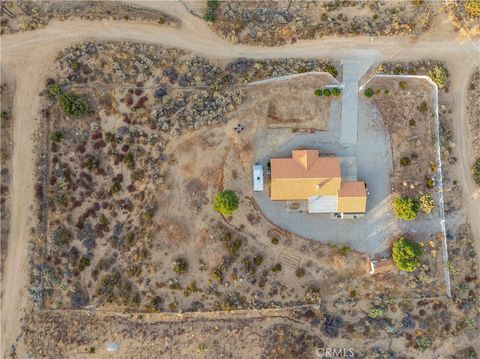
{"points": [[62, 236], [211, 12], [405, 161], [412, 122], [327, 92], [439, 75], [116, 187], [423, 107], [160, 92], [405, 208], [429, 182], [83, 263], [368, 92], [226, 202], [473, 7], [426, 203], [318, 92], [277, 268], [180, 266], [300, 272], [376, 312], [403, 85], [423, 343], [336, 91], [233, 247], [56, 136], [312, 295], [129, 161], [476, 171], [92, 163], [345, 249], [406, 254], [332, 70], [54, 89], [258, 260], [274, 240], [72, 104], [137, 175]]}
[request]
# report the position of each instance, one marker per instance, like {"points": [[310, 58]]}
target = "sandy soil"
{"points": [[29, 55]]}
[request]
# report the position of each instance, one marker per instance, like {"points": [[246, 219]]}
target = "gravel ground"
{"points": [[374, 163]]}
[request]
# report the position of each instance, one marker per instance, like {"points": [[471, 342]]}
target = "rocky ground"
{"points": [[29, 15], [273, 23]]}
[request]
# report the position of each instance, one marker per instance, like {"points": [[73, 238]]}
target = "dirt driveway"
{"points": [[28, 55]]}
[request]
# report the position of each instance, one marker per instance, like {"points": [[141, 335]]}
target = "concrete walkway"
{"points": [[353, 69]]}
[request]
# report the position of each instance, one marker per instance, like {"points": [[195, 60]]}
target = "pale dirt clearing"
{"points": [[28, 55]]}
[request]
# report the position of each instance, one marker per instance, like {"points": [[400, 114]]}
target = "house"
{"points": [[381, 266], [257, 171], [310, 177]]}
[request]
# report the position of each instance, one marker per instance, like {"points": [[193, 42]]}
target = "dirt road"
{"points": [[30, 55]]}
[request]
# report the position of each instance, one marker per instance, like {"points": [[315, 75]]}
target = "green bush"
{"points": [[226, 202], [318, 92], [376, 312], [211, 11], [274, 240], [336, 91], [368, 92], [405, 161], [327, 92], [72, 104], [439, 75], [403, 85], [332, 70], [277, 268], [476, 171], [56, 136], [473, 8], [180, 266], [258, 259], [406, 254], [405, 208]]}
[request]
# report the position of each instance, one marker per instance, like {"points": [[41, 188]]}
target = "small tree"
{"points": [[336, 91], [406, 254], [368, 92], [318, 92], [405, 208], [226, 202], [327, 92]]}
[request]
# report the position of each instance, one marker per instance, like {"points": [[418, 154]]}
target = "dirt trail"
{"points": [[29, 56]]}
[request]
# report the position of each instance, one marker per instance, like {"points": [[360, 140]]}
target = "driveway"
{"points": [[374, 164]]}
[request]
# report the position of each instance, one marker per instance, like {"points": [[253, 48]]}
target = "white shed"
{"points": [[257, 178]]}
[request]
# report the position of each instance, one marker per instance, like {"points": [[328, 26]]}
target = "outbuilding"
{"points": [[257, 178]]}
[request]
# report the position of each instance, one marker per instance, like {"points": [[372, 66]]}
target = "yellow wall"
{"points": [[303, 188], [352, 204]]}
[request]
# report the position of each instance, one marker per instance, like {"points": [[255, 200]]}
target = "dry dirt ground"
{"points": [[32, 71]]}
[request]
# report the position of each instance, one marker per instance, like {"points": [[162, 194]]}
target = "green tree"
{"points": [[368, 92], [72, 104], [405, 208], [406, 254], [226, 202]]}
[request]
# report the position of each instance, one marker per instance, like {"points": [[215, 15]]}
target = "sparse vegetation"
{"points": [[406, 254]]}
